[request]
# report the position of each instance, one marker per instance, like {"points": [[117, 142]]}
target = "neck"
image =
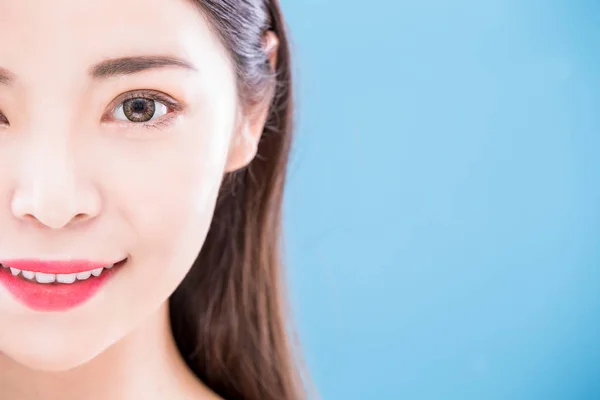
{"points": [[144, 364]]}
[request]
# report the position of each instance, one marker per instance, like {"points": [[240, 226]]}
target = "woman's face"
{"points": [[89, 174]]}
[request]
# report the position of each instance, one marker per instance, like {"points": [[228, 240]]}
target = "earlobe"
{"points": [[243, 149]]}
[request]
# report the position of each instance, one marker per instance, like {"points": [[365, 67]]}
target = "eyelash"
{"points": [[162, 122]]}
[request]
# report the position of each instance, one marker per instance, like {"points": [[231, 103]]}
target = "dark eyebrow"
{"points": [[132, 65], [119, 66], [6, 77]]}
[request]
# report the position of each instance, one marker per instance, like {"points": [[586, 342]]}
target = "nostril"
{"points": [[80, 218], [76, 219], [31, 218]]}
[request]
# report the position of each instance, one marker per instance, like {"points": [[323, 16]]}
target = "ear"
{"points": [[244, 143]]}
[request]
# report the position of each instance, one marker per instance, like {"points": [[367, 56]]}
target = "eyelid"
{"points": [[153, 95]]}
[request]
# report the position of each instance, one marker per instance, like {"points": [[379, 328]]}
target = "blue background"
{"points": [[443, 207]]}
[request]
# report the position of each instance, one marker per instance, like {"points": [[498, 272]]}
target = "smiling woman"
{"points": [[143, 148]]}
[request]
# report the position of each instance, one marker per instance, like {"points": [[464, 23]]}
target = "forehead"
{"points": [[46, 33]]}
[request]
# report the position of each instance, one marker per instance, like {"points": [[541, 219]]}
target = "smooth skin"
{"points": [[81, 180]]}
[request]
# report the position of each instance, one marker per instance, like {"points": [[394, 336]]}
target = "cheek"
{"points": [[175, 210], [170, 207], [166, 195]]}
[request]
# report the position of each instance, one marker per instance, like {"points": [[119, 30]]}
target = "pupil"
{"points": [[138, 106]]}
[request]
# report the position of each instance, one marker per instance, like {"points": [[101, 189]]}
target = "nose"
{"points": [[52, 191]]}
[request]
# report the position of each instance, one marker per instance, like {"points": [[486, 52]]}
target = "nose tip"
{"points": [[54, 181], [54, 212]]}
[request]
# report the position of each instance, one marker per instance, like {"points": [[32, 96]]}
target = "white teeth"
{"points": [[44, 278], [28, 274], [84, 275], [66, 278]]}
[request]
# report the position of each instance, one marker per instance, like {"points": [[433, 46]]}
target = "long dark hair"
{"points": [[228, 315]]}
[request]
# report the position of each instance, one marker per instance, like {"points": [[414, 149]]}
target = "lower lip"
{"points": [[55, 296]]}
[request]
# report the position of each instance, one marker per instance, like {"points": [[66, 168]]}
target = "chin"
{"points": [[52, 357]]}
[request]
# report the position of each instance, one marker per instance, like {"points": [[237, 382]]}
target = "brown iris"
{"points": [[139, 110]]}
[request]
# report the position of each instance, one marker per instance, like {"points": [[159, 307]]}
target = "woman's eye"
{"points": [[140, 110]]}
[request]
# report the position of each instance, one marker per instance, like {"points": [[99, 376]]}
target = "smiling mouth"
{"points": [[59, 279]]}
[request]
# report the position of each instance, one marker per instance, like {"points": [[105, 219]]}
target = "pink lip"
{"points": [[55, 296]]}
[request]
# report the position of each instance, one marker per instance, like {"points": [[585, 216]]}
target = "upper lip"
{"points": [[57, 266]]}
